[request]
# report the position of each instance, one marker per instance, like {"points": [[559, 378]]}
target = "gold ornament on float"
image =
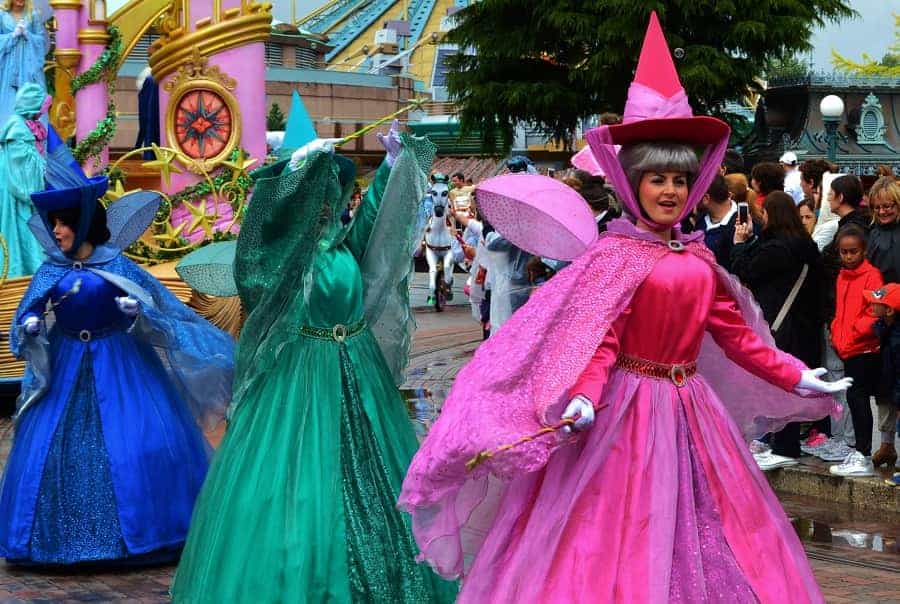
{"points": [[203, 120]]}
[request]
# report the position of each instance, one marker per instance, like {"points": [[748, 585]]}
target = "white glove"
{"points": [[579, 406], [128, 305], [320, 144], [32, 325], [391, 142], [809, 380], [19, 31]]}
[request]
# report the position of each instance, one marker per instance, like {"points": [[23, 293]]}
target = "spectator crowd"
{"points": [[821, 255]]}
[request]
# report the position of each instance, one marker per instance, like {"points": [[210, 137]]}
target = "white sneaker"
{"points": [[834, 450], [770, 461], [856, 464]]}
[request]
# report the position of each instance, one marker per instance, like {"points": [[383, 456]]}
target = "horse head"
{"points": [[440, 194]]}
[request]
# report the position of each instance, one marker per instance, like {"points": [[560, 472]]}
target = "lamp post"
{"points": [[832, 108]]}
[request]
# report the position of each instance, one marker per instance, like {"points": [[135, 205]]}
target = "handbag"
{"points": [[786, 307]]}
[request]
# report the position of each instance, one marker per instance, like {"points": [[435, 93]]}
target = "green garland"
{"points": [[222, 179], [106, 62], [104, 69]]}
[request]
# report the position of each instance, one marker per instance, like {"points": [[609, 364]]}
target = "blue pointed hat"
{"points": [[84, 198], [300, 129]]}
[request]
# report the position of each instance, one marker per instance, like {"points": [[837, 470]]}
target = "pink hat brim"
{"points": [[696, 130]]}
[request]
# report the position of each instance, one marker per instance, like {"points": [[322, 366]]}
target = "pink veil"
{"points": [[519, 379]]}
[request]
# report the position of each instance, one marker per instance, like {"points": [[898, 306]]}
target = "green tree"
{"points": [[275, 120], [553, 62], [786, 67], [888, 66]]}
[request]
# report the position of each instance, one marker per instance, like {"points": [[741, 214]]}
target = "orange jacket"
{"points": [[852, 330]]}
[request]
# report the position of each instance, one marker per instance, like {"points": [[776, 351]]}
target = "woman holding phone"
{"points": [[783, 269]]}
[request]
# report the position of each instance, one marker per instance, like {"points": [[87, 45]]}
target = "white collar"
{"points": [[710, 225]]}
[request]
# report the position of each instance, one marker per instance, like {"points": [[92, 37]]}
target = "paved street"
{"points": [[855, 555]]}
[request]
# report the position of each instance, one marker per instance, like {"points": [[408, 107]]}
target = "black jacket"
{"points": [[884, 251], [890, 357], [720, 240], [832, 259], [769, 267], [611, 214]]}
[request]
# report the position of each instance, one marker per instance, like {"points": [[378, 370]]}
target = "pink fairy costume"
{"points": [[660, 499]]}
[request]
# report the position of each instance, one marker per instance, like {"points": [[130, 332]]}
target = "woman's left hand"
{"points": [[742, 232], [391, 142], [810, 379]]}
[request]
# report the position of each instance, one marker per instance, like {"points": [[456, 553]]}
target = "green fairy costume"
{"points": [[300, 502]]}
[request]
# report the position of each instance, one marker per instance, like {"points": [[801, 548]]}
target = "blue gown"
{"points": [[106, 464], [21, 58]]}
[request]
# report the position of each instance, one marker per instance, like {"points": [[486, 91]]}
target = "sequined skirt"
{"points": [[299, 505], [106, 466]]}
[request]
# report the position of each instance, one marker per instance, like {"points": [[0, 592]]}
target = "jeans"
{"points": [[841, 428]]}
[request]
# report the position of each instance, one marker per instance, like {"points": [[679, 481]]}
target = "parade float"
{"points": [[209, 65]]}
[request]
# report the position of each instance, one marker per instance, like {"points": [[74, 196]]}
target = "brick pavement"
{"points": [[442, 344]]}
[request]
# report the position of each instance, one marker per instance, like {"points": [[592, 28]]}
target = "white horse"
{"points": [[438, 239]]}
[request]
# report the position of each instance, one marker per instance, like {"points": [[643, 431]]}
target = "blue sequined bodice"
{"points": [[92, 308]]}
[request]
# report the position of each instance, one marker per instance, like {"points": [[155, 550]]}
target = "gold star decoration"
{"points": [[172, 236], [239, 165], [117, 191], [163, 162], [201, 218]]}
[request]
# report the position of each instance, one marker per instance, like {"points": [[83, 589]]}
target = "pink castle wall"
{"points": [[247, 66]]}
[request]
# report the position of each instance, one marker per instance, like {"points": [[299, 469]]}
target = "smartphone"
{"points": [[743, 212]]}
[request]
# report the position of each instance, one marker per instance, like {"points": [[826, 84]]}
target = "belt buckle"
{"points": [[84, 335], [678, 375], [339, 332]]}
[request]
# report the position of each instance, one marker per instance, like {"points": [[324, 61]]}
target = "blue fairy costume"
{"points": [[107, 457], [21, 57], [22, 166]]}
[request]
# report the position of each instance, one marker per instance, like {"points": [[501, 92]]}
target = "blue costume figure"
{"points": [[23, 46], [22, 163], [148, 112], [107, 457]]}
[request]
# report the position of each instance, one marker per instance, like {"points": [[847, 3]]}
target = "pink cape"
{"points": [[519, 379]]}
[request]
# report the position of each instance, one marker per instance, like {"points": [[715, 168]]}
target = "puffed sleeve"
{"points": [[744, 347], [592, 380]]}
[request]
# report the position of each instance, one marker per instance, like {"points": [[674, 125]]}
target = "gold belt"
{"points": [[679, 373], [339, 333]]}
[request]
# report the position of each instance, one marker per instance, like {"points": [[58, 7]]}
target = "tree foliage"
{"points": [[554, 62], [888, 66], [275, 120]]}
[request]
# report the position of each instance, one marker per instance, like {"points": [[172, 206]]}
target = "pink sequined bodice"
{"points": [[667, 317], [679, 301]]}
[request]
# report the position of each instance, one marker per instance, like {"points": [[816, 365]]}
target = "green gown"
{"points": [[300, 502]]}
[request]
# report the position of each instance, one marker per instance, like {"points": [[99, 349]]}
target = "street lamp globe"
{"points": [[832, 107]]}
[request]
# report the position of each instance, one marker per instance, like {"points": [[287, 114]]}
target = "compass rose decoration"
{"points": [[202, 124], [203, 120]]}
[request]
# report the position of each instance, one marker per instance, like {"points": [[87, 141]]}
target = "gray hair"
{"points": [[638, 158]]}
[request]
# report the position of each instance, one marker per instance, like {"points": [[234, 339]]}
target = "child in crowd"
{"points": [[855, 340], [885, 303]]}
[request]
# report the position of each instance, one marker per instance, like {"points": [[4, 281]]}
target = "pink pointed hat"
{"points": [[657, 109]]}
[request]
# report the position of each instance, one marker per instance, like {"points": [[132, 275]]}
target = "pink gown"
{"points": [[661, 500]]}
